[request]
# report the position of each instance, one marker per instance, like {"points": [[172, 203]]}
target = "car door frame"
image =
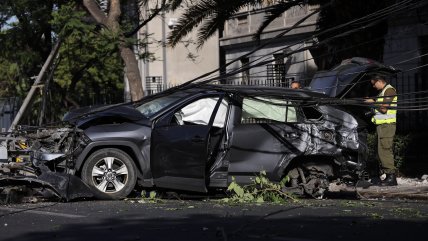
{"points": [[189, 174], [280, 145]]}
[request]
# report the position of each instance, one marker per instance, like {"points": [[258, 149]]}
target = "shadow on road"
{"points": [[279, 226]]}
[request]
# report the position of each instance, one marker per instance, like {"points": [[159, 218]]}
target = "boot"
{"points": [[390, 180], [375, 181]]}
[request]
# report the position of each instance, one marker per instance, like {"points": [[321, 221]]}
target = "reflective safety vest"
{"points": [[391, 114]]}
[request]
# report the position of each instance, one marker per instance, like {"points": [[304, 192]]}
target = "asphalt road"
{"points": [[210, 220]]}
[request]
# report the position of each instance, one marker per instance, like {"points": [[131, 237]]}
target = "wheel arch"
{"points": [[129, 148], [299, 160]]}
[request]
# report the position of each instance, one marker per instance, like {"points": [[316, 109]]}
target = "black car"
{"points": [[197, 137], [351, 79]]}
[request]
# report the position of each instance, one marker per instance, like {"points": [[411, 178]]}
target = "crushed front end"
{"points": [[42, 159]]}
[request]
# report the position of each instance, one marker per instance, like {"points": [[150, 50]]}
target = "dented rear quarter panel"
{"points": [[272, 147]]}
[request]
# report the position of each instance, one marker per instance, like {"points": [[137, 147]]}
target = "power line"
{"points": [[380, 15], [398, 7], [344, 49]]}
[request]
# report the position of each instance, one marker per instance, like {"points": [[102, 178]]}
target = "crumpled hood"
{"points": [[124, 111]]}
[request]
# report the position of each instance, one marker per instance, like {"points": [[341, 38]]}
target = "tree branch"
{"points": [[114, 14], [154, 13], [95, 12]]}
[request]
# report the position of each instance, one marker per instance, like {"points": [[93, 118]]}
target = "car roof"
{"points": [[337, 81], [256, 90]]}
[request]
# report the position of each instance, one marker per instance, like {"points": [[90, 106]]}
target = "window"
{"points": [[154, 84], [245, 63], [200, 112], [242, 19], [267, 110], [311, 113], [277, 72]]}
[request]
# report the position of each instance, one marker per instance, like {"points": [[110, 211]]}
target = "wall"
{"points": [[238, 40], [405, 45], [173, 65]]}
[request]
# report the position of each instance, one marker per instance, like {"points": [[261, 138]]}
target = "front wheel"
{"points": [[110, 173]]}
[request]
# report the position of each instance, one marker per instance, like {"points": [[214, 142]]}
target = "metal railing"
{"points": [[8, 109]]}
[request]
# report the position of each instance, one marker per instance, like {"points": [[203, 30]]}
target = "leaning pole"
{"points": [[35, 85]]}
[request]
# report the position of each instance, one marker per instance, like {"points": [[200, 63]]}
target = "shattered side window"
{"points": [[267, 110], [312, 113], [200, 112]]}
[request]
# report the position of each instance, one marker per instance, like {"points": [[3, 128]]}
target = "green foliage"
{"points": [[90, 68], [260, 191], [149, 197], [25, 37], [9, 73], [401, 143], [206, 17], [143, 45], [372, 146]]}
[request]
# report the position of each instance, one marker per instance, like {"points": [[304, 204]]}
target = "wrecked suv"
{"points": [[197, 137]]}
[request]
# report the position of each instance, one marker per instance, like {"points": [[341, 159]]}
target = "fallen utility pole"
{"points": [[35, 85]]}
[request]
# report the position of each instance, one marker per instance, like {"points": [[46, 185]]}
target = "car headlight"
{"points": [[85, 139]]}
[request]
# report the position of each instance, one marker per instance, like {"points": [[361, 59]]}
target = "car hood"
{"points": [[106, 113]]}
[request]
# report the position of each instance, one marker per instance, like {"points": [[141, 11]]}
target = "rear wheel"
{"points": [[310, 179], [110, 173]]}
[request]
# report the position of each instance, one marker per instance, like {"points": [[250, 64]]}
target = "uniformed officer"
{"points": [[385, 119]]}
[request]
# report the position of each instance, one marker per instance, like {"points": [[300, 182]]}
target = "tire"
{"points": [[114, 182]]}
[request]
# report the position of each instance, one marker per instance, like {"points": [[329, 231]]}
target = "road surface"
{"points": [[307, 220]]}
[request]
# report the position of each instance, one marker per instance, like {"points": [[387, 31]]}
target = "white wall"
{"points": [[175, 62]]}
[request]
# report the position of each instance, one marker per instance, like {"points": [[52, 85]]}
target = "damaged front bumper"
{"points": [[41, 182], [40, 163]]}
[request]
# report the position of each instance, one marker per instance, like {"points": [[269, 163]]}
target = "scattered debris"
{"points": [[407, 188]]}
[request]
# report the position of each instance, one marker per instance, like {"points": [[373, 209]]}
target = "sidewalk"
{"points": [[407, 188]]}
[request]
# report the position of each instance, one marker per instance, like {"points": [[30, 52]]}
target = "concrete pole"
{"points": [[165, 72], [28, 98]]}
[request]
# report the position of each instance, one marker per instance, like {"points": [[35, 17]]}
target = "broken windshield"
{"points": [[333, 83], [151, 108]]}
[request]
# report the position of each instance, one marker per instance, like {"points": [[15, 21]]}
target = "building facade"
{"points": [[166, 66], [277, 58], [406, 48]]}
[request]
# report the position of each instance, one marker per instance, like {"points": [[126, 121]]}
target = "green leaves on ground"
{"points": [[149, 197], [260, 191]]}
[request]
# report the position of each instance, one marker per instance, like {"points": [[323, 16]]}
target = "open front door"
{"points": [[179, 147]]}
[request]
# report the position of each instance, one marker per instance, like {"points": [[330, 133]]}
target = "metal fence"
{"points": [[8, 109], [412, 122], [407, 86], [154, 84]]}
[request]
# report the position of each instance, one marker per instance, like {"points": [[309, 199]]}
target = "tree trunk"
{"points": [[132, 72], [111, 22]]}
